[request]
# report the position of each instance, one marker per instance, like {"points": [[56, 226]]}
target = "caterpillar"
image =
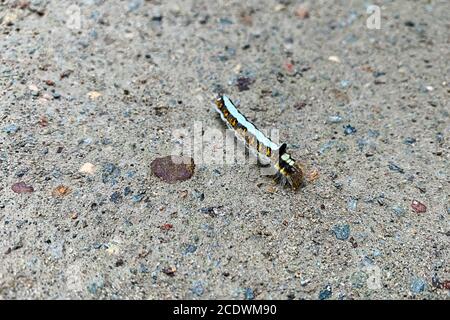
{"points": [[287, 169]]}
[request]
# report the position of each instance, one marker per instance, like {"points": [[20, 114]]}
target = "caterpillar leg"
{"points": [[277, 177], [283, 181], [262, 163], [280, 179]]}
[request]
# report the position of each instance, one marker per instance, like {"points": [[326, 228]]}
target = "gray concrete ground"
{"points": [[101, 85]]}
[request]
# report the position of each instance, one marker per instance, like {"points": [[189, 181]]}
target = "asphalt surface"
{"points": [[91, 93]]}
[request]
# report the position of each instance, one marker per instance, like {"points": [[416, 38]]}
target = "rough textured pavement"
{"points": [[91, 93]]}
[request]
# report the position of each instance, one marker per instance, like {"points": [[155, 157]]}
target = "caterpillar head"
{"points": [[295, 176], [288, 170]]}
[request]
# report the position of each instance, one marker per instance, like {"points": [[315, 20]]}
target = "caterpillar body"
{"points": [[288, 170]]}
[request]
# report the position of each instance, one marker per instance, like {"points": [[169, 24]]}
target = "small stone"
{"points": [[9, 19], [302, 12], [183, 194], [300, 105], [96, 284], [348, 129], [166, 226], [246, 19], [22, 187], [119, 263], [335, 119], [133, 5], [138, 197], [378, 74], [352, 204], [116, 197], [208, 210], [12, 128], [358, 279], [418, 207], [110, 173], [279, 7], [46, 96], [225, 21], [304, 282], [92, 288], [417, 285], [361, 144], [127, 190], [113, 249], [312, 175], [65, 74], [23, 4], [200, 196], [396, 168], [93, 95], [175, 9], [399, 211], [376, 253], [446, 284], [93, 34], [157, 17], [173, 168], [38, 6], [87, 168], [106, 141], [237, 69], [85, 141], [249, 294], [436, 282], [373, 133], [243, 83], [204, 18], [60, 191], [341, 231], [197, 288], [143, 268], [353, 242], [409, 140], [190, 249], [334, 59], [34, 89], [326, 146], [344, 83], [170, 271], [22, 172], [326, 293]]}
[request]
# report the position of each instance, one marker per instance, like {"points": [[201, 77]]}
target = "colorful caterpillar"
{"points": [[287, 168]]}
